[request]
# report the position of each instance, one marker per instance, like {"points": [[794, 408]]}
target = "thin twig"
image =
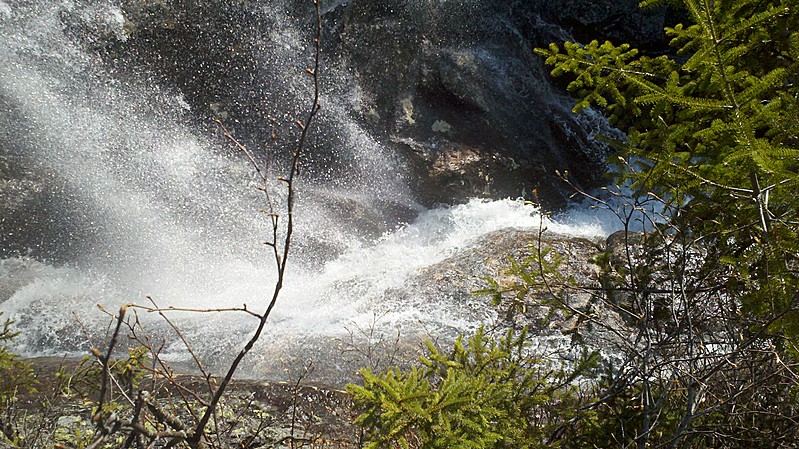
{"points": [[103, 359], [206, 374], [281, 259], [159, 310]]}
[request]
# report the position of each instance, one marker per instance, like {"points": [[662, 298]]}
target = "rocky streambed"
{"points": [[253, 414], [309, 408]]}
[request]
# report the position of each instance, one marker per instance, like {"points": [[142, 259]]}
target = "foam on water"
{"points": [[349, 290]]}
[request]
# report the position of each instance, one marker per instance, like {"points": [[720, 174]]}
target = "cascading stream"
{"points": [[135, 199]]}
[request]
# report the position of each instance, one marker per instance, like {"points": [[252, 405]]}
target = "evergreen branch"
{"points": [[683, 101], [771, 80], [732, 31]]}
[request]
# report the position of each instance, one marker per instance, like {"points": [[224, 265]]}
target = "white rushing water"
{"points": [[53, 304], [171, 213]]}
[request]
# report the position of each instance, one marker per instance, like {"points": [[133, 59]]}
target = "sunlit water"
{"points": [[171, 213], [57, 306]]}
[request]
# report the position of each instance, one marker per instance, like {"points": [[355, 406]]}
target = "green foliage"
{"points": [[485, 393], [709, 295], [538, 282], [127, 372], [730, 108], [713, 131], [15, 374]]}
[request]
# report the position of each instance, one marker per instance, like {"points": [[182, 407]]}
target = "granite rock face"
{"points": [[454, 75], [433, 72], [465, 76]]}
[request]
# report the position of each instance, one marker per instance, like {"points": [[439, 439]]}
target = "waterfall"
{"points": [[113, 191]]}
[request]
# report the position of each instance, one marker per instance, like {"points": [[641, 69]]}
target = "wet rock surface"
{"points": [[454, 280], [447, 170], [426, 71], [466, 76], [618, 21]]}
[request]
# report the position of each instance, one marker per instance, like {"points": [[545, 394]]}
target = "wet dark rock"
{"points": [[426, 71], [453, 90], [25, 199], [469, 77], [362, 215], [447, 170], [346, 215], [615, 20], [19, 192]]}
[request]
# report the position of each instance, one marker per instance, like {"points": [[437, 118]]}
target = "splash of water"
{"points": [[163, 209]]}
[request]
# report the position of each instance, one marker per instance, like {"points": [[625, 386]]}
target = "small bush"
{"points": [[16, 376], [485, 393]]}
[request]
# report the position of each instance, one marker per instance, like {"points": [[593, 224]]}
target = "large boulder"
{"points": [[465, 75], [452, 282]]}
